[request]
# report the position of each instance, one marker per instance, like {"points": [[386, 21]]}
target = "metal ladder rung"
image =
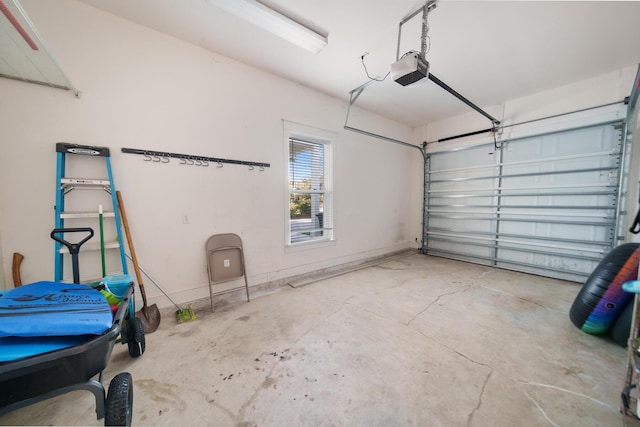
{"points": [[73, 215], [86, 181], [92, 247]]}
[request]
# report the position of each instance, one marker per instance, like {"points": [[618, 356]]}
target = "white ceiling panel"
{"points": [[490, 52]]}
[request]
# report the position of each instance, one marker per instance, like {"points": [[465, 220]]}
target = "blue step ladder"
{"points": [[64, 185]]}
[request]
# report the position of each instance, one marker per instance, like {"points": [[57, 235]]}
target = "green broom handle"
{"points": [[104, 270]]}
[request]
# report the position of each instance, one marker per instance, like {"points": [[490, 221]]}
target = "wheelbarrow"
{"points": [[39, 377]]}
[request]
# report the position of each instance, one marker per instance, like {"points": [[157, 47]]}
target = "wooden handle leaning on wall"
{"points": [[15, 269], [134, 258]]}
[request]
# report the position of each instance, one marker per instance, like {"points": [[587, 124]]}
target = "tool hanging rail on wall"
{"points": [[189, 159]]}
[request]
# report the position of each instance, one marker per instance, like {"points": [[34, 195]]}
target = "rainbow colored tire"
{"points": [[601, 299]]}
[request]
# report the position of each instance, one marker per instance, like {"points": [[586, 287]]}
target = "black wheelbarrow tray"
{"points": [[33, 379]]}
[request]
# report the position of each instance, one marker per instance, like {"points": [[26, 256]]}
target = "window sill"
{"points": [[316, 244]]}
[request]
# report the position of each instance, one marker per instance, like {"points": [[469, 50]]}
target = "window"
{"points": [[310, 215]]}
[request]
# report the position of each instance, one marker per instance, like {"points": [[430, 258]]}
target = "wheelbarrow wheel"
{"points": [[135, 338], [119, 405]]}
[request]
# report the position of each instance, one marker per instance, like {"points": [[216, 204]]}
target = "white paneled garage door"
{"points": [[546, 204]]}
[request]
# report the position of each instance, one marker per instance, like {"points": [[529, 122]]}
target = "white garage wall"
{"points": [[143, 89]]}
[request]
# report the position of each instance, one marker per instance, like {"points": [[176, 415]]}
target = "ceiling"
{"points": [[490, 52]]}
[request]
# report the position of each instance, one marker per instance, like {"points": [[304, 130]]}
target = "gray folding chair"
{"points": [[225, 262]]}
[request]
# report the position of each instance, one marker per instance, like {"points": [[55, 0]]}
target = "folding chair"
{"points": [[225, 262]]}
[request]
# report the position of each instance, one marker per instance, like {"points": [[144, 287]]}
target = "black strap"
{"points": [[635, 227]]}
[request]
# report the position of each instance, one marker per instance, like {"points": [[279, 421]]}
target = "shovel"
{"points": [[149, 315]]}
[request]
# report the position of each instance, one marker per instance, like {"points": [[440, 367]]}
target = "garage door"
{"points": [[546, 204]]}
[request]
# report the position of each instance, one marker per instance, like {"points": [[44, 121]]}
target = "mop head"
{"points": [[186, 315]]}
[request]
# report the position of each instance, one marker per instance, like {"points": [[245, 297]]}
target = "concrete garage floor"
{"points": [[414, 341]]}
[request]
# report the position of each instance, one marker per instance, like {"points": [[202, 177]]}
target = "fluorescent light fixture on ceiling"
{"points": [[274, 22]]}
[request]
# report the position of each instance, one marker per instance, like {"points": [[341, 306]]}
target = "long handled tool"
{"points": [[182, 315], [101, 220], [149, 315]]}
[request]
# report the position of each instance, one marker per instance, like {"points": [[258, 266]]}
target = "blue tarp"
{"points": [[45, 309]]}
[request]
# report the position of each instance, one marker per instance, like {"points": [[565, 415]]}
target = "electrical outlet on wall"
{"points": [[186, 219], [227, 263]]}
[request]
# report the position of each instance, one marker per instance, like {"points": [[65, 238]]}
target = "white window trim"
{"points": [[312, 134]]}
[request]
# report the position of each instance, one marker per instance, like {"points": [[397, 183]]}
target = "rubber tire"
{"points": [[622, 326], [135, 338], [125, 332], [600, 301], [119, 405]]}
